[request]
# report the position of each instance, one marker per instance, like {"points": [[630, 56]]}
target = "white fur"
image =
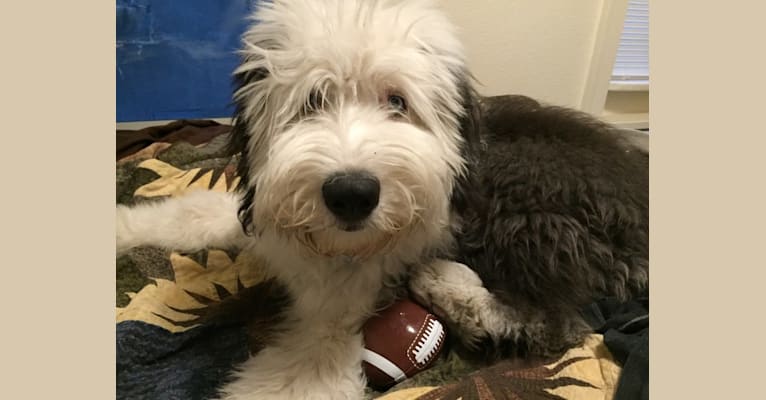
{"points": [[354, 53], [319, 354], [457, 294], [193, 222]]}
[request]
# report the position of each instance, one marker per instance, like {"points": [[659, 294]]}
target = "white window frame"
{"points": [[599, 83]]}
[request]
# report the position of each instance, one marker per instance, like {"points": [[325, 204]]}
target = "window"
{"points": [[617, 87], [627, 100], [632, 63]]}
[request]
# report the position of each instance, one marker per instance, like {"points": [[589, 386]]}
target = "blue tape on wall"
{"points": [[175, 58]]}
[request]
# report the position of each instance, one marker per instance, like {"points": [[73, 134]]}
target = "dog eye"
{"points": [[397, 103]]}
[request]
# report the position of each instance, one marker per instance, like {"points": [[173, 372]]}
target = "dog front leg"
{"points": [[310, 363], [191, 222], [456, 293]]}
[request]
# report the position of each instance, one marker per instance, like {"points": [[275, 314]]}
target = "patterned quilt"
{"points": [[184, 321]]}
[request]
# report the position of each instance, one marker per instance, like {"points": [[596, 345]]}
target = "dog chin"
{"points": [[353, 227], [358, 241]]}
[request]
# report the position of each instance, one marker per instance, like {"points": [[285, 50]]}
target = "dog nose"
{"points": [[351, 196]]}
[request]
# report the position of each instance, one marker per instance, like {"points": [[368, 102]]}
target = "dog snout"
{"points": [[351, 196]]}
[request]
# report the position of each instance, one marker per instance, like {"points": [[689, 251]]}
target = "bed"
{"points": [[184, 321]]}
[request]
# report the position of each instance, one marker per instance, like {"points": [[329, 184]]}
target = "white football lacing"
{"points": [[429, 342]]}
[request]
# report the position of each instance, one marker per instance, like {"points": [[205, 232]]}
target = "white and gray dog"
{"points": [[368, 163]]}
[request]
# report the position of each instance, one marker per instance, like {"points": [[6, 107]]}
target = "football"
{"points": [[400, 342]]}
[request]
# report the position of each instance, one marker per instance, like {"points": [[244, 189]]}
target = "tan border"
{"points": [[58, 89], [707, 199]]}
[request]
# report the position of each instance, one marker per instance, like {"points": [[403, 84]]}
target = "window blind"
{"points": [[632, 62]]}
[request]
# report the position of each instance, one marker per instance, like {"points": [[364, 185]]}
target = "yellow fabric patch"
{"points": [[176, 182], [156, 301], [407, 394], [599, 369]]}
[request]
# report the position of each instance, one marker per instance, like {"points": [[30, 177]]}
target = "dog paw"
{"points": [[455, 293]]}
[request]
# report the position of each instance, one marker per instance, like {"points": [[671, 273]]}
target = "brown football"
{"points": [[400, 342]]}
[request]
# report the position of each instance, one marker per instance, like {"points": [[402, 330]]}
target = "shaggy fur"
{"points": [[505, 223], [561, 220]]}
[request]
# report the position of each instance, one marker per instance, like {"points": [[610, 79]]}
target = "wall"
{"points": [[539, 48]]}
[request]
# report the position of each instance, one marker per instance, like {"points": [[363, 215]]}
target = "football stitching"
{"points": [[429, 357], [433, 336]]}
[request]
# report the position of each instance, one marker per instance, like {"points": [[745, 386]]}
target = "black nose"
{"points": [[351, 196]]}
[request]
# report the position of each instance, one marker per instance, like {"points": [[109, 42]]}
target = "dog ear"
{"points": [[470, 120], [465, 195], [239, 133], [238, 144]]}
